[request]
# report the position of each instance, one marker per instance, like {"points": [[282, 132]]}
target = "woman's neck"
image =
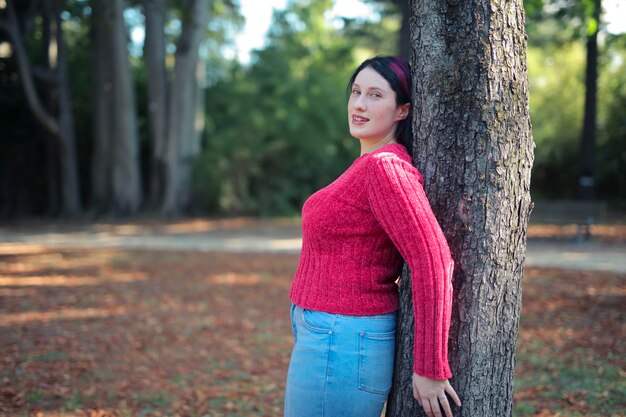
{"points": [[370, 147]]}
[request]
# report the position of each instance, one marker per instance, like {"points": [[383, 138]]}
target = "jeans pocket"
{"points": [[317, 321], [376, 355]]}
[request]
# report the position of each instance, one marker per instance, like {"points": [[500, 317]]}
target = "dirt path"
{"points": [[547, 246]]}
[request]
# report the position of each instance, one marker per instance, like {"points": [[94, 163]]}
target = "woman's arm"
{"points": [[399, 203]]}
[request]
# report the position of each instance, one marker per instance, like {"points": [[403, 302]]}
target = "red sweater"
{"points": [[357, 231]]}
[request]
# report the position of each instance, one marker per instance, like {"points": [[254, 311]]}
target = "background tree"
{"points": [[154, 55], [586, 178], [182, 141], [115, 175], [567, 160], [472, 121], [52, 109], [283, 102], [176, 99]]}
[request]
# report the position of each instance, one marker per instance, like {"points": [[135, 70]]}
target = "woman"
{"points": [[355, 234]]}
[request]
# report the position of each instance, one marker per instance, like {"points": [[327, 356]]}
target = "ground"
{"points": [[119, 332]]}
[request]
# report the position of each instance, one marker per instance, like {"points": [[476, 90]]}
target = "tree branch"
{"points": [[11, 27]]}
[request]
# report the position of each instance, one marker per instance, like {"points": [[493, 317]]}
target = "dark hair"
{"points": [[397, 72]]}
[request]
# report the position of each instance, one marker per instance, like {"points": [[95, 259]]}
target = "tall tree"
{"points": [[101, 159], [54, 115], [154, 53], [182, 140], [474, 148], [116, 147], [404, 38], [588, 137], [574, 20]]}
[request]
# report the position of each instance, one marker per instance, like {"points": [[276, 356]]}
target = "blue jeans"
{"points": [[341, 366]]}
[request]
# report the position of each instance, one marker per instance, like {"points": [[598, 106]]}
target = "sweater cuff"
{"points": [[442, 372]]}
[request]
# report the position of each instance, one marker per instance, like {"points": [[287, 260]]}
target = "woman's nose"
{"points": [[359, 103]]}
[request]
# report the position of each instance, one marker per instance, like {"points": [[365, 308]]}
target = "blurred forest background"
{"points": [[95, 123]]}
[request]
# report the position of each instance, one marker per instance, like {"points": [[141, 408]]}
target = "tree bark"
{"points": [[474, 148], [182, 138]]}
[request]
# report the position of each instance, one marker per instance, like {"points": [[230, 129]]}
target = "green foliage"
{"points": [[556, 22], [556, 102], [611, 156], [277, 130], [556, 77]]}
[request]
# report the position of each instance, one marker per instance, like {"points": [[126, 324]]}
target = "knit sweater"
{"points": [[357, 231]]}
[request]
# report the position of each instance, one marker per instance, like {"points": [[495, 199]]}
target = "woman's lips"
{"points": [[359, 120]]}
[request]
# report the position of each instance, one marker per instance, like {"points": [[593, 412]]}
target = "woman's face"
{"points": [[372, 110]]}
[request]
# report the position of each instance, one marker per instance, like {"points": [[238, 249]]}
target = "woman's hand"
{"points": [[431, 395]]}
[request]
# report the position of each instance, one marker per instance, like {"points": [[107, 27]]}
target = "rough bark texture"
{"points": [[474, 147]]}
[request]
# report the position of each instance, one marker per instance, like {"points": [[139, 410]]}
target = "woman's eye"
{"points": [[377, 95], [356, 92]]}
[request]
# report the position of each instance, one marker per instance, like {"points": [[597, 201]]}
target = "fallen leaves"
{"points": [[111, 333]]}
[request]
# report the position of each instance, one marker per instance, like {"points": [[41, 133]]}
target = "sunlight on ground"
{"points": [[60, 314], [609, 233], [69, 281], [236, 279], [21, 249]]}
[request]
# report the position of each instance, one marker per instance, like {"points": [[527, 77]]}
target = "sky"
{"points": [[258, 19], [615, 15]]}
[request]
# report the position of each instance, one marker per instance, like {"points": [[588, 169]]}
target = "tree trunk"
{"points": [[404, 40], [154, 48], [126, 181], [587, 148], [116, 181], [101, 181], [182, 139], [67, 154], [475, 151], [60, 131]]}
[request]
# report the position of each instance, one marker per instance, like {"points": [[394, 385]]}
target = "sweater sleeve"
{"points": [[398, 201]]}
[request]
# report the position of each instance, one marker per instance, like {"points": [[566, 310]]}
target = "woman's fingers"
{"points": [[452, 394], [416, 394], [431, 395], [445, 404], [427, 408], [434, 406]]}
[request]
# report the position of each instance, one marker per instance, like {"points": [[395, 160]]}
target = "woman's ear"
{"points": [[403, 111]]}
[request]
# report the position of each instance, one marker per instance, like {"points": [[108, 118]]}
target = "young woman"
{"points": [[355, 234]]}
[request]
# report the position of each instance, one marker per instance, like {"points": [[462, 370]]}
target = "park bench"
{"points": [[582, 213]]}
